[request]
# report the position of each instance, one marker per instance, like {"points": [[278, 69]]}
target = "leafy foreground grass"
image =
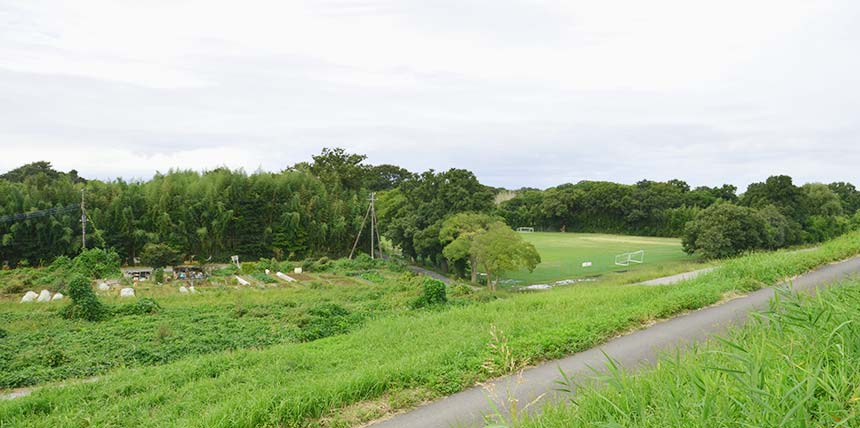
{"points": [[795, 366], [562, 255], [439, 351]]}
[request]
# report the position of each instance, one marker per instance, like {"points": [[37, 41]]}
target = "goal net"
{"points": [[525, 229], [626, 258]]}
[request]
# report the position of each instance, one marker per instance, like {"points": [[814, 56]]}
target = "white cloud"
{"points": [[523, 92]]}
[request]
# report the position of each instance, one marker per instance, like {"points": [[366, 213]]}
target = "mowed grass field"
{"points": [[562, 255]]}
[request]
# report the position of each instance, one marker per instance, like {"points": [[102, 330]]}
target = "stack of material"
{"points": [[29, 297], [126, 292], [242, 281], [285, 277]]}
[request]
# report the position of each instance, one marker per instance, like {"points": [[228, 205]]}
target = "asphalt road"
{"points": [[639, 349]]}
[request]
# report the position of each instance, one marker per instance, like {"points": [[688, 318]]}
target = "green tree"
{"points": [[457, 234], [159, 255], [499, 249], [84, 303], [725, 230]]}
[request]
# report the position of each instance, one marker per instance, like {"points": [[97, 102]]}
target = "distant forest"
{"points": [[315, 209]]}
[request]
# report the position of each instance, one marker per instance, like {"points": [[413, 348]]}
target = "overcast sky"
{"points": [[524, 93]]}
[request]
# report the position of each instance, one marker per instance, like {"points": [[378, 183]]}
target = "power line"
{"points": [[38, 214]]}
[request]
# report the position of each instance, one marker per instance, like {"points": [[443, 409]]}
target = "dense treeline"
{"points": [[645, 208], [771, 214], [316, 209], [309, 209]]}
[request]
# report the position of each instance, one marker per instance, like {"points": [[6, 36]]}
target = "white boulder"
{"points": [[103, 286], [126, 292], [29, 297], [58, 296], [183, 290], [242, 281], [44, 296]]}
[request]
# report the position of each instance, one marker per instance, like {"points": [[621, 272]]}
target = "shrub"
{"points": [[228, 270], [432, 293], [84, 304], [3, 333], [270, 264], [725, 230], [324, 320], [96, 263], [262, 277], [144, 306], [158, 275], [60, 264], [248, 268]]}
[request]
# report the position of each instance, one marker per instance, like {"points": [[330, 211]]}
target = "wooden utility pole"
{"points": [[375, 238], [83, 223]]}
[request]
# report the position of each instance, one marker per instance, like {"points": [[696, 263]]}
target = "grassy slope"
{"points": [[797, 369], [562, 255], [442, 351], [42, 346]]}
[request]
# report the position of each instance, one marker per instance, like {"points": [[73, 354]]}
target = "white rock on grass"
{"points": [[183, 290], [58, 296], [29, 297], [44, 296], [242, 281], [103, 286], [126, 292]]}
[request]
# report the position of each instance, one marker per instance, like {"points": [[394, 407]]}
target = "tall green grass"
{"points": [[441, 351], [795, 366]]}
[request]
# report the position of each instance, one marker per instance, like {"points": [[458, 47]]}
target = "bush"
{"points": [[144, 306], [262, 277], [248, 268], [159, 255], [324, 320], [158, 275], [229, 270], [270, 264], [84, 304], [3, 333], [96, 263], [432, 293]]}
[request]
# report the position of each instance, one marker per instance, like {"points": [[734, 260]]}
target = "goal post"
{"points": [[625, 259], [526, 229]]}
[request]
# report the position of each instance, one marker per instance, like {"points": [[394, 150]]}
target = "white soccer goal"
{"points": [[626, 258], [525, 229]]}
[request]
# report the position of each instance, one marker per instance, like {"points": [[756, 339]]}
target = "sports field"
{"points": [[562, 255]]}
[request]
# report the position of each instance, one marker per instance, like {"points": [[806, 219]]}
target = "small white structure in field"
{"points": [[126, 292], [192, 289], [103, 286], [58, 296], [29, 297], [268, 271], [183, 290], [586, 264], [285, 277], [297, 270], [242, 281], [44, 296]]}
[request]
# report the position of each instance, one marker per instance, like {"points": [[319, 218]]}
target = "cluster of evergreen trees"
{"points": [[316, 208]]}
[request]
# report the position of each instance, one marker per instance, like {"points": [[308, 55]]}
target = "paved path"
{"points": [[430, 273], [667, 280], [641, 348]]}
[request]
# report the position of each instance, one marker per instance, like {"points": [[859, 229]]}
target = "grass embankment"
{"points": [[42, 346], [794, 367], [434, 351], [562, 255]]}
